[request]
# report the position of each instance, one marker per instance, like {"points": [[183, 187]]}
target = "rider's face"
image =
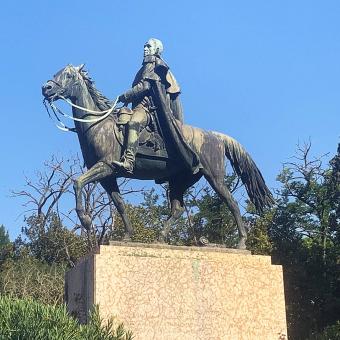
{"points": [[150, 48]]}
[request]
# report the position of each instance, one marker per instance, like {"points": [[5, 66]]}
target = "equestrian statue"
{"points": [[149, 141]]}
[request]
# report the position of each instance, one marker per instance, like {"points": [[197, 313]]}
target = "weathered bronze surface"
{"points": [[151, 142], [155, 87]]}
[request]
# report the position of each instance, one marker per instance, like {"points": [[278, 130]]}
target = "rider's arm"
{"points": [[136, 92]]}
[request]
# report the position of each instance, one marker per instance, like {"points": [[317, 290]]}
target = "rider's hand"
{"points": [[121, 99]]}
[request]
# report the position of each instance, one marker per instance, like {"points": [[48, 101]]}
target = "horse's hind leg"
{"points": [[99, 171], [111, 187], [217, 183]]}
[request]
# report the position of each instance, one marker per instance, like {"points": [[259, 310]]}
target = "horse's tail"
{"points": [[249, 173]]}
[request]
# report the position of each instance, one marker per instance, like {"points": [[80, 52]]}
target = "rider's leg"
{"points": [[137, 123]]}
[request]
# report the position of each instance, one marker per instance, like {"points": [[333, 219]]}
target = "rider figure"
{"points": [[142, 98]]}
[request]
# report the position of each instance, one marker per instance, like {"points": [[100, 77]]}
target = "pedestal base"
{"points": [[187, 293]]}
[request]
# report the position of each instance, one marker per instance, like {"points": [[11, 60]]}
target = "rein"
{"points": [[61, 126]]}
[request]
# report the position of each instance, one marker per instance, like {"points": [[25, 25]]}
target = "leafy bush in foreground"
{"points": [[27, 319], [329, 333]]}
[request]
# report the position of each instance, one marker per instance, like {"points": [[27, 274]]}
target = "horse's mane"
{"points": [[99, 99]]}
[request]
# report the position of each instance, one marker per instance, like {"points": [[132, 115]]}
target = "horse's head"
{"points": [[64, 83]]}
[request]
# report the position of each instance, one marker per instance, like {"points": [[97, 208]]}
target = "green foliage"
{"points": [[149, 217], [329, 333], [96, 329], [4, 237], [214, 220], [27, 277], [258, 238], [50, 242], [305, 235], [146, 229], [6, 246], [28, 319]]}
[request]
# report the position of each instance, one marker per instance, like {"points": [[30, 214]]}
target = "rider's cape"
{"points": [[165, 92]]}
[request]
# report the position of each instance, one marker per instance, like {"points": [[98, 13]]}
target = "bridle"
{"points": [[60, 125]]}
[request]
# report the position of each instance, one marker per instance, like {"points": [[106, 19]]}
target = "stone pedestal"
{"points": [[187, 293]]}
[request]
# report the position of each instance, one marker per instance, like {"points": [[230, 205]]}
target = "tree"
{"points": [[47, 198], [304, 232], [147, 219], [259, 242], [4, 237], [53, 243], [6, 246], [310, 185]]}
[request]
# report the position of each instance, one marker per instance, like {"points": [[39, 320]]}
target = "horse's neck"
{"points": [[83, 99]]}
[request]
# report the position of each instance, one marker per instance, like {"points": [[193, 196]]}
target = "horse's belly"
{"points": [[154, 169]]}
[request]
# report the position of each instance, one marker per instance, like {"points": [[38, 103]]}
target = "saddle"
{"points": [[150, 140]]}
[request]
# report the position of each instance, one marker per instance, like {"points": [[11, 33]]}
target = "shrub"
{"points": [[329, 333], [28, 277], [23, 319]]}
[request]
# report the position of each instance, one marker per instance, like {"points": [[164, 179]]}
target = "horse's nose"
{"points": [[45, 88]]}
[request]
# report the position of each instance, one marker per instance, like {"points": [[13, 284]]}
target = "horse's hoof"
{"points": [[127, 238], [203, 241], [242, 244]]}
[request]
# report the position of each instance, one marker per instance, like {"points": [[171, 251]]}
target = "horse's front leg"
{"points": [[111, 187], [99, 171]]}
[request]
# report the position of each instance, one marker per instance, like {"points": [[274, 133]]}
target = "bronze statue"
{"points": [[155, 87], [165, 150]]}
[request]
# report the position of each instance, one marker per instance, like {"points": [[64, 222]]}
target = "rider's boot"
{"points": [[127, 161]]}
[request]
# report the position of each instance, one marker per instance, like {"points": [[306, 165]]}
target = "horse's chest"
{"points": [[97, 144]]}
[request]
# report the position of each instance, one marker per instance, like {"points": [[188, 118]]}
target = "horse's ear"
{"points": [[80, 67]]}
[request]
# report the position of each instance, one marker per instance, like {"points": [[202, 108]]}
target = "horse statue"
{"points": [[100, 133]]}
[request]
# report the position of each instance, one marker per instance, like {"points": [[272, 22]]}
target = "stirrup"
{"points": [[127, 166]]}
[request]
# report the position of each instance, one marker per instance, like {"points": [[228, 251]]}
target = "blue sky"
{"points": [[265, 72]]}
